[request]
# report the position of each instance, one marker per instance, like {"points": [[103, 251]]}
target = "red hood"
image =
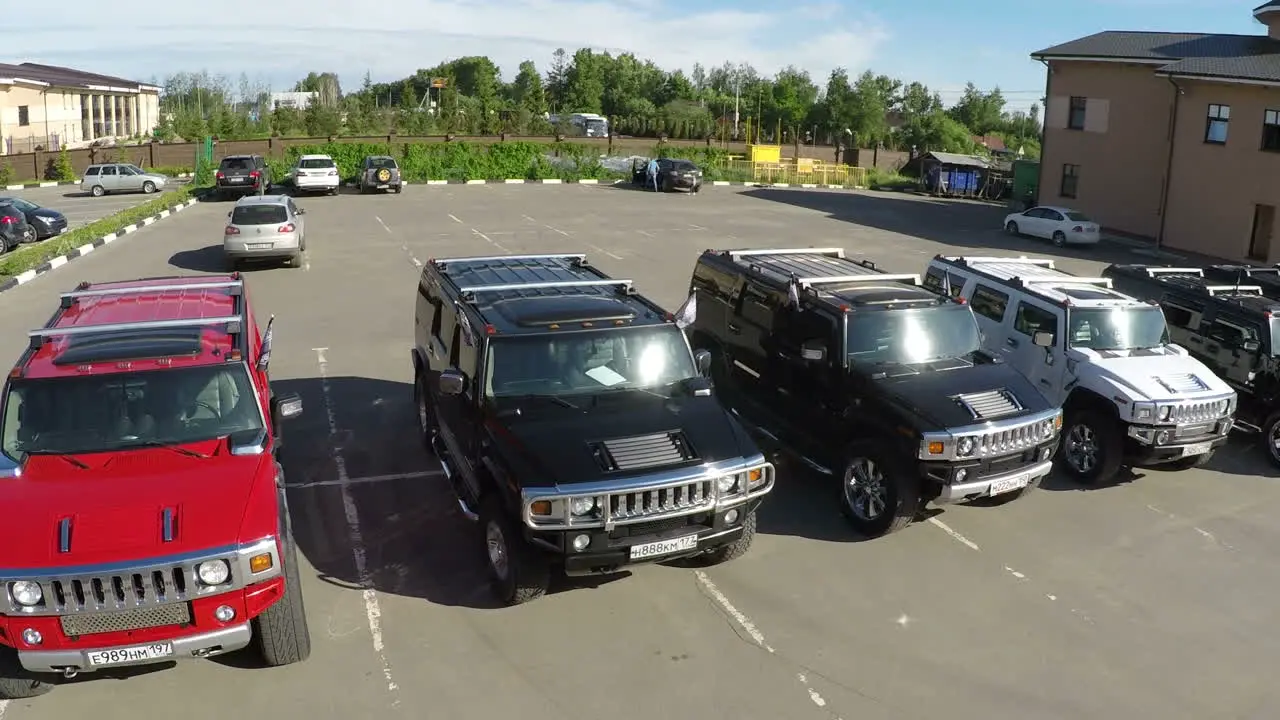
{"points": [[117, 506]]}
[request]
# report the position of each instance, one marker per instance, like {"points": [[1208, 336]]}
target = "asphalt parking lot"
{"points": [[80, 208], [1149, 599]]}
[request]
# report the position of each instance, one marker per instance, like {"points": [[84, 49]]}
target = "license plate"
{"points": [[236, 179], [124, 656], [1197, 449], [383, 187], [1004, 485], [664, 547], [259, 246]]}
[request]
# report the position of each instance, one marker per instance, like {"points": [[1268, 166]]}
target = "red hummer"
{"points": [[144, 506]]}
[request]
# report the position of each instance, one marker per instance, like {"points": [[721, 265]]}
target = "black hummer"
{"points": [[572, 421], [869, 377]]}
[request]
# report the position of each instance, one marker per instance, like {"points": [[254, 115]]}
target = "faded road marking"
{"points": [[370, 479], [454, 218], [955, 535], [490, 240], [384, 225]]}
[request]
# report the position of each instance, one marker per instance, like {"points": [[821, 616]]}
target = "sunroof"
{"points": [[130, 345]]}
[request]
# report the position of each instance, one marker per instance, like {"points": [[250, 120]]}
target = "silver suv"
{"points": [[120, 177], [265, 228]]}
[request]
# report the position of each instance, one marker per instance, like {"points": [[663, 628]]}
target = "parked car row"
{"points": [[240, 175], [103, 178], [22, 221], [670, 174]]}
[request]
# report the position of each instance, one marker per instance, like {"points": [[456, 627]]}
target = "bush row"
{"points": [[28, 257]]}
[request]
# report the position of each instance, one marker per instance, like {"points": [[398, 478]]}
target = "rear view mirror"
{"points": [[289, 406], [451, 382], [702, 359], [1042, 339], [813, 350]]}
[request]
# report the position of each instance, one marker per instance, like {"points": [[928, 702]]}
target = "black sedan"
{"points": [[14, 228], [47, 222], [672, 175]]}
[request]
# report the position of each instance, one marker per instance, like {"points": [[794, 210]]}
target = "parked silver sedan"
{"points": [[265, 228], [120, 177]]}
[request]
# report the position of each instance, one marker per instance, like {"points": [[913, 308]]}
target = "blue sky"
{"points": [[943, 43]]}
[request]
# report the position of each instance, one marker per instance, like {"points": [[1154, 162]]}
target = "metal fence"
{"points": [[16, 144], [802, 171]]}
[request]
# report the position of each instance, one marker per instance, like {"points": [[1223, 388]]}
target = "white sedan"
{"points": [[315, 173], [1063, 226]]}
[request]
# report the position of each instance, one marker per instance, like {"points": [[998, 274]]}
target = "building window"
{"points": [[1070, 177], [1075, 120], [24, 115], [1215, 126], [1271, 131]]}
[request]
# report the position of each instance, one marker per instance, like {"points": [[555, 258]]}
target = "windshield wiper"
{"points": [[167, 446], [60, 456], [549, 398]]}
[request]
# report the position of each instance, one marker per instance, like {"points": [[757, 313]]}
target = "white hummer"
{"points": [[1129, 396]]}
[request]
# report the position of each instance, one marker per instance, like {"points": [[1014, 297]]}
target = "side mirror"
{"points": [[302, 211], [1250, 345], [1042, 339], [228, 213], [813, 350], [288, 406], [452, 382], [702, 359]]}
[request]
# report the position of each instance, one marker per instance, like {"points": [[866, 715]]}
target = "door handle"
{"points": [[1045, 382], [735, 329], [431, 349], [1011, 342]]}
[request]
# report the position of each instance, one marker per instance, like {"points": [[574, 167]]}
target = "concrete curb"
{"points": [[52, 183], [57, 262], [592, 181]]}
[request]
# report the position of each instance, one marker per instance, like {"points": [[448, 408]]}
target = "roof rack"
{"points": [[828, 252], [68, 298], [883, 277], [1216, 290], [1154, 271], [966, 261], [468, 293], [233, 323], [576, 257]]}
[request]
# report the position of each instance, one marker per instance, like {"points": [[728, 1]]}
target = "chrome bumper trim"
{"points": [[981, 488], [207, 644]]}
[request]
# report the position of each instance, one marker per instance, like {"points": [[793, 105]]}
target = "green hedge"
{"points": [[26, 257]]}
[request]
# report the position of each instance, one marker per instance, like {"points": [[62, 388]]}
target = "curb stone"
{"points": [[57, 262], [53, 183], [592, 181]]}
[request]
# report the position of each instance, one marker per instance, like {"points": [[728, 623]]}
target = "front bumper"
{"points": [[961, 481], [207, 644], [1153, 444], [49, 229], [992, 485]]}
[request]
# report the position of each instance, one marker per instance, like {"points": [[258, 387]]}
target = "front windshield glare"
{"points": [[913, 336], [586, 362], [1117, 328], [102, 413]]}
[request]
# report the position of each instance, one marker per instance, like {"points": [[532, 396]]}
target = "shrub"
{"points": [[63, 170], [6, 173]]}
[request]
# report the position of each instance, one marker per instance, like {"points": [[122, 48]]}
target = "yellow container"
{"points": [[765, 153]]}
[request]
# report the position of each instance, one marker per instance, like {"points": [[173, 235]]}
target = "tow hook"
{"points": [[202, 652], [69, 672]]}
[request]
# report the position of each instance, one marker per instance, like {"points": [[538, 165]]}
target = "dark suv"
{"points": [[14, 228], [242, 175], [572, 421], [871, 378]]}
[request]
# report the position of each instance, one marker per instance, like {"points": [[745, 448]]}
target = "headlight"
{"points": [[966, 446], [582, 506], [1144, 411], [1165, 412], [213, 572], [26, 593], [727, 484]]}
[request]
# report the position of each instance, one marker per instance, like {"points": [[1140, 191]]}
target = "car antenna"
{"points": [[1239, 275]]}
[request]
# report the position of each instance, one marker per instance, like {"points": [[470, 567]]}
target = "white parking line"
{"points": [[599, 249], [372, 611], [3, 704], [384, 225], [490, 240], [555, 229], [454, 218], [957, 536]]}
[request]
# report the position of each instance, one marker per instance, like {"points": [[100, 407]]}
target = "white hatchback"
{"points": [[315, 173], [1063, 226]]}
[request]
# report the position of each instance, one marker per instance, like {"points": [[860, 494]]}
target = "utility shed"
{"points": [[954, 174]]}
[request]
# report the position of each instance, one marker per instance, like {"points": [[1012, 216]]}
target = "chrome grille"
{"points": [[1182, 383], [158, 616], [1197, 412], [118, 592], [643, 451], [655, 503], [1009, 440], [990, 404]]}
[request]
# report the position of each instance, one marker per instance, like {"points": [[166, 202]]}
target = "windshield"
{"points": [[136, 170], [19, 203], [102, 413], [1117, 328], [259, 215], [586, 362], [382, 163], [313, 163], [1077, 217], [913, 336]]}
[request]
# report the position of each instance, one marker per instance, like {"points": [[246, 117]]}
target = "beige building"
{"points": [[1169, 136], [47, 106]]}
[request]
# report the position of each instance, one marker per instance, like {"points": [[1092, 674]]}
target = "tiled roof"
{"points": [[64, 77], [1247, 57]]}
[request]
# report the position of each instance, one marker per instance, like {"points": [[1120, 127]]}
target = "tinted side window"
{"points": [[797, 327], [1231, 334], [989, 303], [755, 307], [91, 172], [1031, 320], [933, 281], [109, 170], [1179, 315]]}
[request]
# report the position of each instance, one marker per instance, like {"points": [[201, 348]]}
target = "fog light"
{"points": [[580, 542], [31, 636], [225, 613], [1162, 437], [961, 474], [1044, 453], [731, 517]]}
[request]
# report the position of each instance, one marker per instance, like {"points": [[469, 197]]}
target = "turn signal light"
{"points": [[541, 507], [260, 563], [935, 448], [754, 476]]}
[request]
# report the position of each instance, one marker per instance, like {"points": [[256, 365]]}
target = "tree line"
{"points": [[467, 96]]}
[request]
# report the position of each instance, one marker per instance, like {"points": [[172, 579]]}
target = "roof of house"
{"points": [[994, 142], [66, 77], [962, 160], [1225, 57]]}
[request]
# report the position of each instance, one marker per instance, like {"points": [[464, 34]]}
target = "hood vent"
{"points": [[1182, 383], [64, 535], [643, 451], [167, 529], [990, 404]]}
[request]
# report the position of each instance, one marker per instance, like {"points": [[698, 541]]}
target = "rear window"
{"points": [[259, 215], [92, 171], [1078, 217], [683, 166], [316, 163], [236, 164], [382, 163]]}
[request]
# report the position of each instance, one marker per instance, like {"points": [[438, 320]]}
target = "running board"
{"points": [[443, 455], [782, 448]]}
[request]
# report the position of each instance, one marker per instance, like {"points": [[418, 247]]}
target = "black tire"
{"points": [[1269, 437], [1059, 238], [16, 683], [426, 413], [886, 476], [733, 550], [1194, 461], [1011, 228], [29, 235], [518, 572], [1098, 445], [296, 260], [282, 633]]}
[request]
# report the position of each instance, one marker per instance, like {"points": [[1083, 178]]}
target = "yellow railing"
{"points": [[802, 171]]}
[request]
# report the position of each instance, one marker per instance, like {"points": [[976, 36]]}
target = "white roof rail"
{"points": [[1154, 271], [1020, 260], [141, 325], [1234, 290], [829, 252], [1066, 280], [116, 291], [877, 277], [580, 257], [625, 284]]}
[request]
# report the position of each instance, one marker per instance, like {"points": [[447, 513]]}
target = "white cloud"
{"points": [[284, 39]]}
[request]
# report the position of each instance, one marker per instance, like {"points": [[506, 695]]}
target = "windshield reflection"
{"points": [[913, 336], [1117, 328]]}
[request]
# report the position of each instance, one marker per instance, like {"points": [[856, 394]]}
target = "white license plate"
{"points": [[664, 547], [383, 187], [1004, 485], [236, 179], [258, 246], [126, 655], [1197, 449]]}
